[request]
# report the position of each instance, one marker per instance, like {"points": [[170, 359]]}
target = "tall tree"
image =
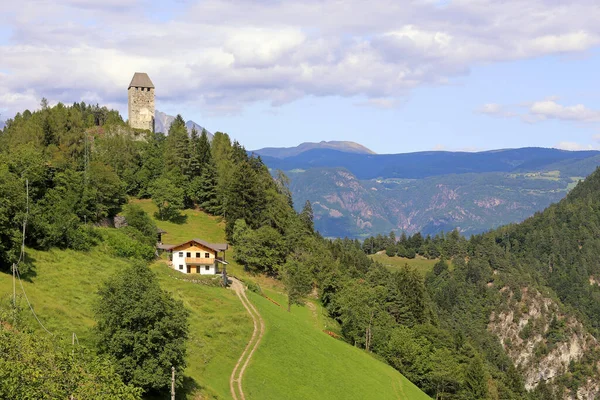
{"points": [[307, 216], [177, 149], [142, 328], [297, 279], [208, 198], [168, 198]]}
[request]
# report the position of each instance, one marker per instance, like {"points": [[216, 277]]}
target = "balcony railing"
{"points": [[201, 260]]}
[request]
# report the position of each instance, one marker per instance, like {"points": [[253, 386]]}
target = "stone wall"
{"points": [[141, 108]]}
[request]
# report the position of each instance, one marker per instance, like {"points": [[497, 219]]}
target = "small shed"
{"points": [[159, 233]]}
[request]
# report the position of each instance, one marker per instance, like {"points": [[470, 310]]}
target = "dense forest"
{"points": [[81, 163]]}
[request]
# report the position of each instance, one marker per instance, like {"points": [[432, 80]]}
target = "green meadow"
{"points": [[295, 360], [421, 264]]}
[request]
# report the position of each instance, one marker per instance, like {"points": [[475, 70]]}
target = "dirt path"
{"points": [[259, 329]]}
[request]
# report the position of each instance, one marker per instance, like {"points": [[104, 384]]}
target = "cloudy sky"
{"points": [[394, 75]]}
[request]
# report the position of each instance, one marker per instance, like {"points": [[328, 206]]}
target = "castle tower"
{"points": [[141, 102]]}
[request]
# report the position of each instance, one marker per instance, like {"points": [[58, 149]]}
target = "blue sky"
{"points": [[393, 76]]}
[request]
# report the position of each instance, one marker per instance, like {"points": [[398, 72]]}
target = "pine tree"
{"points": [[307, 216], [207, 191], [475, 381], [195, 162], [204, 152], [177, 149]]}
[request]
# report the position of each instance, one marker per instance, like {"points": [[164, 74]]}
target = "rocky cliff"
{"points": [[542, 340]]}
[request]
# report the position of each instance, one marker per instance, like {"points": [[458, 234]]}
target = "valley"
{"points": [[359, 195]]}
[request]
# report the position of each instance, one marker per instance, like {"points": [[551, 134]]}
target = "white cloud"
{"points": [[550, 109], [496, 110], [221, 56], [542, 110]]}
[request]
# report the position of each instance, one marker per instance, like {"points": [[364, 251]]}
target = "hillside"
{"points": [[473, 202], [541, 278], [295, 359], [285, 152]]}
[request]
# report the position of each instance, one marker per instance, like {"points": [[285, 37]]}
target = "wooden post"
{"points": [[172, 383]]}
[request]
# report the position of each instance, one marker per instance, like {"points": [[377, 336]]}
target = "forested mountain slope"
{"points": [[543, 276], [65, 173], [362, 195]]}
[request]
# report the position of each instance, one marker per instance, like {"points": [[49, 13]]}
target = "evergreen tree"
{"points": [[475, 379], [207, 194], [195, 162], [203, 149], [307, 216], [177, 149]]}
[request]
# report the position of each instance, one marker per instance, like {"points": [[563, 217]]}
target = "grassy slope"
{"points": [[296, 360], [421, 264], [62, 288], [219, 331]]}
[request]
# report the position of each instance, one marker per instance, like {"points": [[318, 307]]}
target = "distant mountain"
{"points": [[430, 192], [431, 163], [1, 125], [163, 121], [284, 152]]}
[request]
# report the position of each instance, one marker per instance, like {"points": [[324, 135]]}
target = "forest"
{"points": [[68, 169]]}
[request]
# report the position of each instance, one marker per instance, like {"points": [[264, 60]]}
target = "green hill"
{"points": [[296, 359]]}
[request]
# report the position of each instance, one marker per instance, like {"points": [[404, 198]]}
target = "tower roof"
{"points": [[141, 79]]}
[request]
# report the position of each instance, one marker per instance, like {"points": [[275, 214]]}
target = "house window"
{"points": [[207, 268], [181, 254], [197, 255], [188, 255], [206, 255], [181, 267]]}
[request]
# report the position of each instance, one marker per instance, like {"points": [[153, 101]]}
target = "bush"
{"points": [[123, 245], [139, 220], [34, 366]]}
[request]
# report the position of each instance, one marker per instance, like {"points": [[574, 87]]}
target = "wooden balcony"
{"points": [[199, 261]]}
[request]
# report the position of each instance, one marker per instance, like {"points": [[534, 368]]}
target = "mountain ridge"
{"points": [[428, 163], [286, 152], [163, 121]]}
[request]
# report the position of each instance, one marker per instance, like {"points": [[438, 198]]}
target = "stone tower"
{"points": [[141, 102]]}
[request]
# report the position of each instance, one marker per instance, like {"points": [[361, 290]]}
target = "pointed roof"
{"points": [[212, 246], [141, 79]]}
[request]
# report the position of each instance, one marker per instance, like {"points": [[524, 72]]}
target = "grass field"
{"points": [[63, 290], [219, 330], [419, 263], [296, 359]]}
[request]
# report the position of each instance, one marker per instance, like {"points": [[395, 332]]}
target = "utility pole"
{"points": [[172, 383], [14, 269]]}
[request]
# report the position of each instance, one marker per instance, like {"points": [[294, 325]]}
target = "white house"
{"points": [[196, 256]]}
